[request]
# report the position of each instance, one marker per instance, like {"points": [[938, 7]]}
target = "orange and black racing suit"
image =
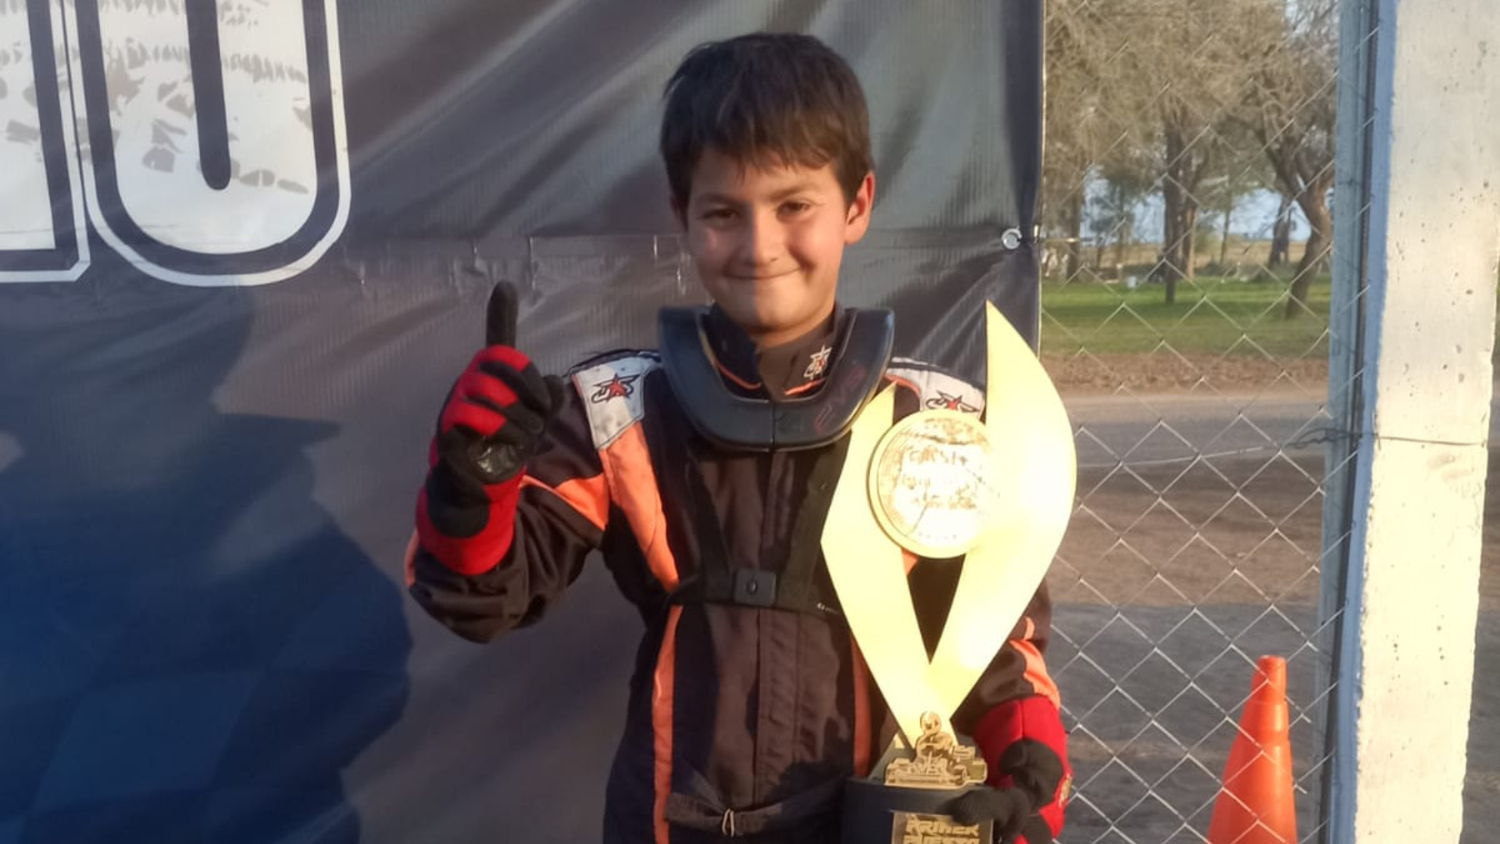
{"points": [[746, 713]]}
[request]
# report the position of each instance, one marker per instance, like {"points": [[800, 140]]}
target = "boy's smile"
{"points": [[768, 241]]}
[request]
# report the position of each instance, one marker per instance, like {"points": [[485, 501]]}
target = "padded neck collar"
{"points": [[734, 419]]}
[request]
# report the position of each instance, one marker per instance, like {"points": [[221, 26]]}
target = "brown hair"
{"points": [[766, 99]]}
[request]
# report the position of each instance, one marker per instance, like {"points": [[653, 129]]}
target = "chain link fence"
{"points": [[1186, 319]]}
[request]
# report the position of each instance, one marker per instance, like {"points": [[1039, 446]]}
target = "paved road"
{"points": [[1171, 428], [1178, 427]]}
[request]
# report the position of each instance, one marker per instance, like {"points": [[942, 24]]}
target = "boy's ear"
{"points": [[858, 219], [679, 212]]}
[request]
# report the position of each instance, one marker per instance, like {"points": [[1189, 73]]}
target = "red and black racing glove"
{"points": [[1026, 748], [490, 426]]}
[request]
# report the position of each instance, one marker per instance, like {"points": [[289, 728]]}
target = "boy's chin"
{"points": [[760, 319], [757, 322]]}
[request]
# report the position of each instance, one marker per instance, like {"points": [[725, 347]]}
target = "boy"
{"points": [[749, 706]]}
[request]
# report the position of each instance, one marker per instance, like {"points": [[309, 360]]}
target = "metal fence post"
{"points": [[1420, 413], [1358, 23]]}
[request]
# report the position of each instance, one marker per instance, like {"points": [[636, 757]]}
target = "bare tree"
{"points": [[1244, 171], [1112, 209], [1292, 107], [1176, 94], [1185, 57], [1187, 160], [1074, 131]]}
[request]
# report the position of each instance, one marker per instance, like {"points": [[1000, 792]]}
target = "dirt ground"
{"points": [[1173, 579], [1167, 371]]}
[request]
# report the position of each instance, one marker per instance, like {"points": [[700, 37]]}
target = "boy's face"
{"points": [[768, 242]]}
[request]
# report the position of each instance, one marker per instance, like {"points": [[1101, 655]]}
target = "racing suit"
{"points": [[744, 718]]}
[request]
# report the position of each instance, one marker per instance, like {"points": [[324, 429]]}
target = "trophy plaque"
{"points": [[942, 484]]}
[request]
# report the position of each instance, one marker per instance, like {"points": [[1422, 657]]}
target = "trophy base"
{"points": [[876, 813]]}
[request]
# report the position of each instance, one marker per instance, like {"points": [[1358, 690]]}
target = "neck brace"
{"points": [[861, 353]]}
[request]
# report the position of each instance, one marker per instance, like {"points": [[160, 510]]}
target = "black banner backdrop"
{"points": [[244, 248]]}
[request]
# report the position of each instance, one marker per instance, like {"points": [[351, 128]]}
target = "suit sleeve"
{"points": [[1014, 715], [480, 588]]}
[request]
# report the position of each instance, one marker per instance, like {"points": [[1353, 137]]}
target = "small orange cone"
{"points": [[1255, 805]]}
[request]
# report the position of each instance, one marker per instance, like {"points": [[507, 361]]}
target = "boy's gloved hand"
{"points": [[1025, 745], [1009, 808], [490, 426], [1037, 772], [497, 410], [495, 415]]}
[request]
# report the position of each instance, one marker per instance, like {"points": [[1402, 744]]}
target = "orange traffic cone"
{"points": [[1255, 805]]}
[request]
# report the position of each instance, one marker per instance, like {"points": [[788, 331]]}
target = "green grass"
{"points": [[1212, 315]]}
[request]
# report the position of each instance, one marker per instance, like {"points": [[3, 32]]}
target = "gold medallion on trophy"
{"points": [[931, 483], [941, 484]]}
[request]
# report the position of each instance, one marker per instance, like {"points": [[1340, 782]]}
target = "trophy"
{"points": [[942, 484]]}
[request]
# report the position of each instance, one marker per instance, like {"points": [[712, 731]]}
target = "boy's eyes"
{"points": [[790, 208]]}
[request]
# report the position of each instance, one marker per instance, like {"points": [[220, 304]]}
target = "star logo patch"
{"points": [[817, 364], [944, 401], [615, 388]]}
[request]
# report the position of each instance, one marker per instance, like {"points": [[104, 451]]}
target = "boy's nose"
{"points": [[764, 245]]}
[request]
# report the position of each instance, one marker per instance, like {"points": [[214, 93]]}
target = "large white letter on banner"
{"points": [[212, 134], [41, 210]]}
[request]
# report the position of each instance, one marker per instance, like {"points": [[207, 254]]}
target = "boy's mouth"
{"points": [[761, 277]]}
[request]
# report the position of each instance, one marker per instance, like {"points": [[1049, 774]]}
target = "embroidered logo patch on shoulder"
{"points": [[611, 391], [616, 387]]}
